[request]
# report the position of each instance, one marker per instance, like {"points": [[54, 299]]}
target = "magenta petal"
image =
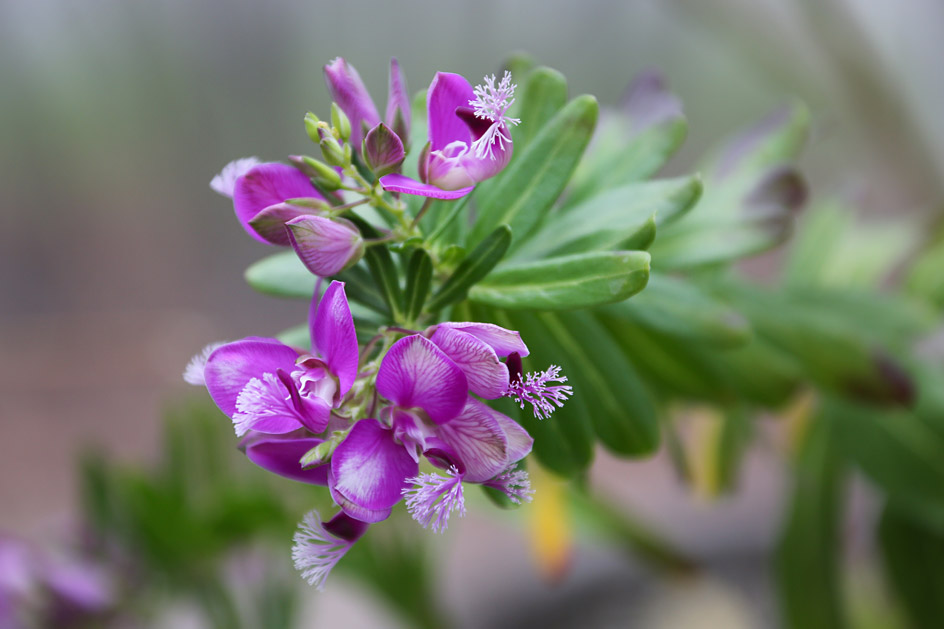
{"points": [[398, 104], [333, 336], [487, 376], [346, 528], [230, 368], [349, 92], [225, 182], [446, 93], [282, 455], [478, 440], [265, 185], [325, 246], [503, 341], [395, 182], [270, 222], [416, 373], [369, 471], [518, 440]]}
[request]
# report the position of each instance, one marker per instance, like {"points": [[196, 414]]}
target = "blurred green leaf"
{"points": [[611, 220], [568, 282], [521, 195], [472, 269], [542, 95], [281, 275], [913, 555], [808, 554], [776, 139]]}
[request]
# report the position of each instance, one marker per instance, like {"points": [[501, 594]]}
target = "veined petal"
{"points": [[398, 104], [478, 440], [349, 92], [416, 373], [369, 470], [270, 222], [334, 337], [225, 182], [487, 376], [281, 455], [268, 184], [395, 182], [230, 368], [325, 246], [446, 93], [518, 441], [503, 341], [320, 546]]}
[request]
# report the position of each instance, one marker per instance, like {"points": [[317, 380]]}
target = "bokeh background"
{"points": [[117, 262]]}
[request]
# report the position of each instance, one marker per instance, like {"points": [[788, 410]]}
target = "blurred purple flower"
{"points": [[349, 92]]}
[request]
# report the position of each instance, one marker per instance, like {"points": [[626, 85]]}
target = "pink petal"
{"points": [[349, 92], [270, 222], [518, 440], [395, 182], [326, 247], [369, 471], [478, 440], [416, 373], [282, 455], [230, 368], [487, 376], [268, 184], [447, 92], [398, 103], [503, 341], [333, 335]]}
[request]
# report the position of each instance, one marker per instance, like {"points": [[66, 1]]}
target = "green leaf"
{"points": [[808, 562], [281, 275], [383, 270], [913, 555], [898, 451], [577, 281], [473, 268], [526, 189], [543, 94], [621, 411], [677, 307], [613, 219], [418, 282]]}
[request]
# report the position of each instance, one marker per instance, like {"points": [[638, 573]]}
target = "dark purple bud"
{"points": [[515, 371], [648, 102], [383, 150], [345, 527]]}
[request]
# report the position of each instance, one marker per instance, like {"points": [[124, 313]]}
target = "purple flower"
{"points": [[349, 92], [325, 246], [319, 546], [266, 386], [469, 137], [259, 199], [225, 182]]}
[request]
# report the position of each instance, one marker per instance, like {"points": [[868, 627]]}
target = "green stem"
{"points": [[419, 215]]}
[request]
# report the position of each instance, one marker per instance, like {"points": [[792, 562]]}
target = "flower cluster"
{"points": [[405, 415], [362, 425]]}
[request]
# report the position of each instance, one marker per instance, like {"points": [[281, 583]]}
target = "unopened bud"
{"points": [[325, 175], [322, 452], [383, 150], [312, 127], [331, 149], [325, 246], [341, 122]]}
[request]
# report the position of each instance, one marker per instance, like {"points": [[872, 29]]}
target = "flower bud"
{"points": [[325, 246], [325, 175], [331, 149], [312, 127], [341, 122], [383, 150], [348, 91]]}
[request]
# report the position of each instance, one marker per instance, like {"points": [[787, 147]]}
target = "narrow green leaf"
{"points": [[577, 281], [522, 194], [613, 219], [359, 287], [543, 94], [383, 270], [913, 555], [418, 281], [473, 268], [679, 308], [281, 275], [620, 407], [808, 563]]}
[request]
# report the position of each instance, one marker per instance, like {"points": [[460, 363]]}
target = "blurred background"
{"points": [[117, 262]]}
